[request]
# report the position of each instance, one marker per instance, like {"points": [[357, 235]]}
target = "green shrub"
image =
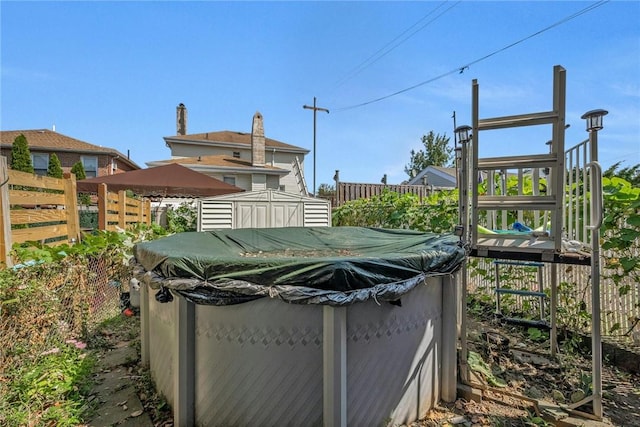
{"points": [[20, 155], [437, 214], [55, 168], [182, 218]]}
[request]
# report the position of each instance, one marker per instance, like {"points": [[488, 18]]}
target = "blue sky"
{"points": [[112, 74]]}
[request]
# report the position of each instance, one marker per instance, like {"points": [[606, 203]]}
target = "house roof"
{"points": [[48, 140], [448, 174], [449, 171], [231, 137], [172, 180], [218, 161]]}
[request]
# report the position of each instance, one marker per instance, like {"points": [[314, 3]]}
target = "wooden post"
{"points": [[71, 207], [102, 206], [140, 213], [147, 210], [122, 209], [5, 217]]}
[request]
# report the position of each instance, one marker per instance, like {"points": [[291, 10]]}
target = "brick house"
{"points": [[97, 161], [250, 161]]}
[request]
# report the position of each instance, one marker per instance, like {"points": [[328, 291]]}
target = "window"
{"points": [[40, 163], [90, 164], [236, 154], [229, 180]]}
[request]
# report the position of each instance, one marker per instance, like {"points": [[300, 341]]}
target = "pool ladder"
{"points": [[541, 321]]}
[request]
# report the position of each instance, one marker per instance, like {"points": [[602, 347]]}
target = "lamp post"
{"points": [[315, 110], [463, 135], [594, 124]]}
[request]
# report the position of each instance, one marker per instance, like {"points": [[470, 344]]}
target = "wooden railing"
{"points": [[116, 210]]}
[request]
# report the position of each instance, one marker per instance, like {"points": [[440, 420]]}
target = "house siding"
{"points": [[273, 158], [68, 159], [437, 181], [265, 163]]}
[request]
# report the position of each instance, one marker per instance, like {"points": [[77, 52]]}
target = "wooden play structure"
{"points": [[541, 208]]}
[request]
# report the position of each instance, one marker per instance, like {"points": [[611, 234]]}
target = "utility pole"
{"points": [[315, 110]]}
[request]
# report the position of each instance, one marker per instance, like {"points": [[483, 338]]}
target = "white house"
{"points": [[247, 160]]}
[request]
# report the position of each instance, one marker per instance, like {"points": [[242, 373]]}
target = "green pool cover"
{"points": [[313, 265]]}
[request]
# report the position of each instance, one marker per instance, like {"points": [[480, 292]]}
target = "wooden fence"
{"points": [[45, 209], [116, 210], [347, 191], [38, 208]]}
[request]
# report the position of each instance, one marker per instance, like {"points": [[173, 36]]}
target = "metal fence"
{"points": [[45, 307]]}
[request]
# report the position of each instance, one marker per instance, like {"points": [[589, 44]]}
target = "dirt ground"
{"points": [[521, 371]]}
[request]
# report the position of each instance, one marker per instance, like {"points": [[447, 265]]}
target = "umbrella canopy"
{"points": [[172, 180]]}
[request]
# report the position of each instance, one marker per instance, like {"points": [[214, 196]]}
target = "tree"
{"points": [[78, 170], [55, 168], [326, 190], [436, 153], [20, 155], [630, 173]]}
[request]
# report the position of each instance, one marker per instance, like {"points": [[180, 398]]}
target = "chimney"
{"points": [[257, 140], [181, 119]]}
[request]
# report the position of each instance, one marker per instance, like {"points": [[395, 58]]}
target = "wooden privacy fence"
{"points": [[45, 209], [38, 208], [116, 210], [347, 191]]}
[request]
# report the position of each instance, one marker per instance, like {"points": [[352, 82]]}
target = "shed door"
{"points": [[285, 214], [264, 214], [252, 215]]}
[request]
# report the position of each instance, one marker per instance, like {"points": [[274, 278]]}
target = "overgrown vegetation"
{"points": [[438, 213], [50, 305], [182, 218], [620, 237]]}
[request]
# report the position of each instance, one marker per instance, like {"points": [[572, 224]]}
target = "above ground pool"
{"points": [[300, 326]]}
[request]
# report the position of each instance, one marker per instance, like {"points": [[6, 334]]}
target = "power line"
{"points": [[461, 69], [383, 51]]}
